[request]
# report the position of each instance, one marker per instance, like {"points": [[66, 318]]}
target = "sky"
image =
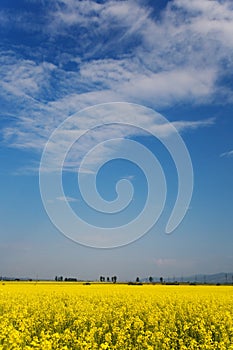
{"points": [[82, 85]]}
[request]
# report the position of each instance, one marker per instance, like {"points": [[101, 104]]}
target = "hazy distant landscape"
{"points": [[218, 278]]}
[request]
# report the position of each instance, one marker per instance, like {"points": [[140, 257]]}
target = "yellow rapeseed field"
{"points": [[75, 316]]}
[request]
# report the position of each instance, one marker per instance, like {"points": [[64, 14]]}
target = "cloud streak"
{"points": [[227, 154], [67, 198]]}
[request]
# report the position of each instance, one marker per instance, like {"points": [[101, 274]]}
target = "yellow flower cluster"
{"points": [[66, 316]]}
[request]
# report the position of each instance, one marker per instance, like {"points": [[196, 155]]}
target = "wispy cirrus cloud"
{"points": [[165, 262], [90, 130], [227, 154], [67, 198], [113, 51]]}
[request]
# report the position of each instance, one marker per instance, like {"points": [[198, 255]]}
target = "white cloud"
{"points": [[227, 154], [23, 77], [88, 138], [165, 262], [189, 125], [176, 58], [167, 87], [67, 198]]}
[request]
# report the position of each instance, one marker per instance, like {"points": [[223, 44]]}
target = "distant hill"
{"points": [[222, 278]]}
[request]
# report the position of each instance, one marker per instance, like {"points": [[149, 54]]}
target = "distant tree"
{"points": [[150, 279], [114, 279], [59, 279], [108, 279], [101, 278], [71, 279], [137, 279], [161, 280]]}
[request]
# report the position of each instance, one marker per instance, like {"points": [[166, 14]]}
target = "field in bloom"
{"points": [[75, 316]]}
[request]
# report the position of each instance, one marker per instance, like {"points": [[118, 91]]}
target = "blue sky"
{"points": [[59, 57]]}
